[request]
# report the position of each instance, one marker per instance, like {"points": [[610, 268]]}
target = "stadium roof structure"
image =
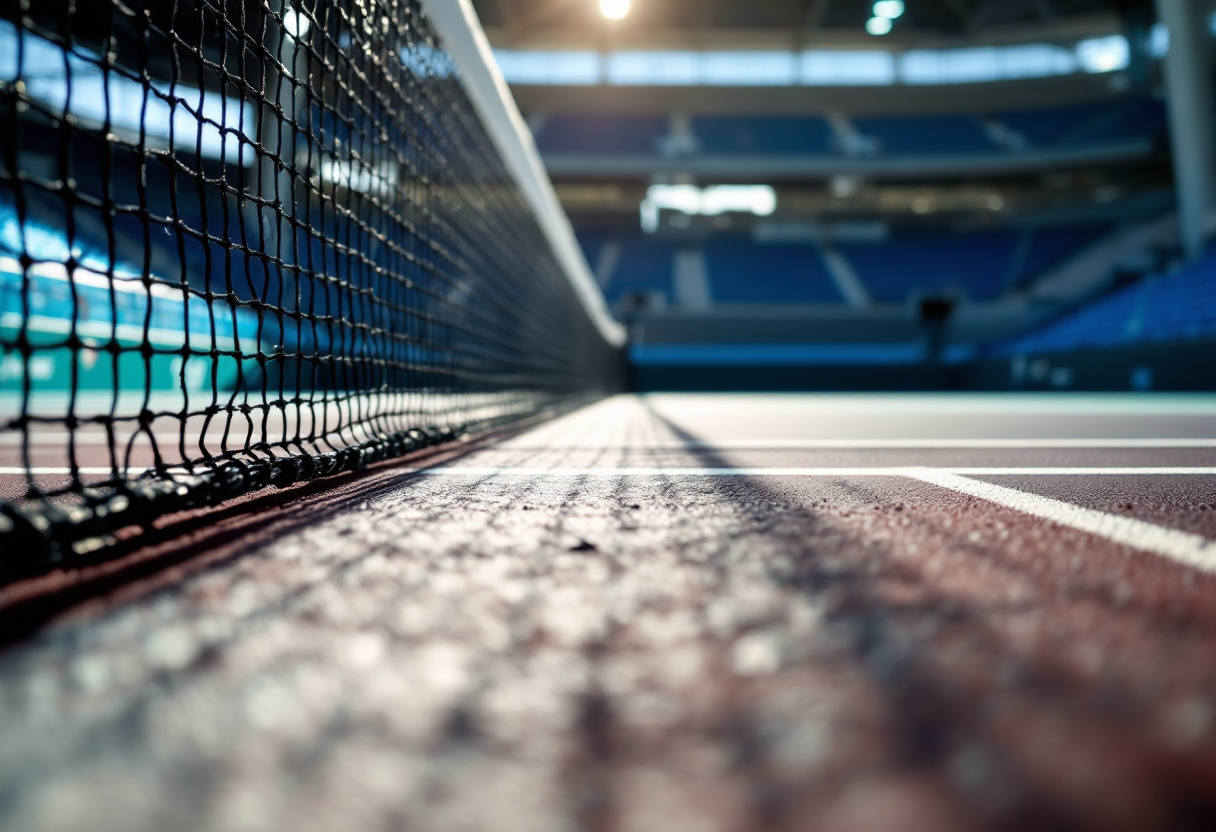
{"points": [[765, 56], [810, 20]]}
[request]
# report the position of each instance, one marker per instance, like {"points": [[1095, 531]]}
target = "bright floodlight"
{"points": [[296, 24], [614, 9], [890, 9], [878, 25]]}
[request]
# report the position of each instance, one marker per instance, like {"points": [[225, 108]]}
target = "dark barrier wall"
{"points": [[1176, 367]]}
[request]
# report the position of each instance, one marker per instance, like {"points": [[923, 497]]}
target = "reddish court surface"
{"points": [[624, 619]]}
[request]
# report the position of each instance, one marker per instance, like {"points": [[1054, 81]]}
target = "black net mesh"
{"points": [[246, 243]]}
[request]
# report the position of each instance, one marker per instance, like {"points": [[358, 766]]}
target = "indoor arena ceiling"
{"points": [[542, 19]]}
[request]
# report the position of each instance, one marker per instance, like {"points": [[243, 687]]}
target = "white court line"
{"points": [[868, 444], [1183, 547], [1138, 471], [484, 471], [100, 438], [493, 471]]}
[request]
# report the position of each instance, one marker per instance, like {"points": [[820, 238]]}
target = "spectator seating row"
{"points": [[975, 265], [978, 266], [1170, 307], [1058, 127]]}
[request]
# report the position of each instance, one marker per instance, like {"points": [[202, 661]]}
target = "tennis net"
{"points": [[250, 243]]}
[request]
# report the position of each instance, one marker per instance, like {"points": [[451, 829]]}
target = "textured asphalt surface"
{"points": [[657, 652]]}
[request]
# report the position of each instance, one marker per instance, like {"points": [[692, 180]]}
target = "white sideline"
{"points": [[896, 471], [1182, 547], [904, 471], [868, 444], [97, 437]]}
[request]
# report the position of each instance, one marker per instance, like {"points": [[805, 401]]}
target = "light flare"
{"points": [[615, 9]]}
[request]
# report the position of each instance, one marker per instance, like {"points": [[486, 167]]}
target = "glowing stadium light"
{"points": [[615, 9], [878, 26], [296, 24], [890, 9], [1107, 54]]}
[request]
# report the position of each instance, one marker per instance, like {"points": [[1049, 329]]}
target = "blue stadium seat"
{"points": [[927, 134], [1049, 247], [1173, 307], [977, 264], [1131, 119], [594, 133], [1088, 123], [592, 245], [763, 134], [644, 268], [741, 271]]}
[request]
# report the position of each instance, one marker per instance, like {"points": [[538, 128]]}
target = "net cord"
{"points": [[457, 24]]}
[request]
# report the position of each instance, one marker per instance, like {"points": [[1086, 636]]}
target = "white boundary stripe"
{"points": [[870, 444], [487, 471], [492, 471], [913, 472], [99, 438], [1183, 547], [1138, 471]]}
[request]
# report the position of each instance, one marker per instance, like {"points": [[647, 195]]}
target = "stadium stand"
{"points": [[743, 272], [589, 133], [908, 135], [1169, 307], [763, 134], [1100, 124], [975, 265], [1087, 123], [644, 269], [1043, 248]]}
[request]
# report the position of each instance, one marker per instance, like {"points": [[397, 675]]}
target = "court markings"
{"points": [[192, 439], [870, 445], [896, 471], [1182, 547], [899, 471]]}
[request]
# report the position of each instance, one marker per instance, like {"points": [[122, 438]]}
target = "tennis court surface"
{"points": [[664, 612]]}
